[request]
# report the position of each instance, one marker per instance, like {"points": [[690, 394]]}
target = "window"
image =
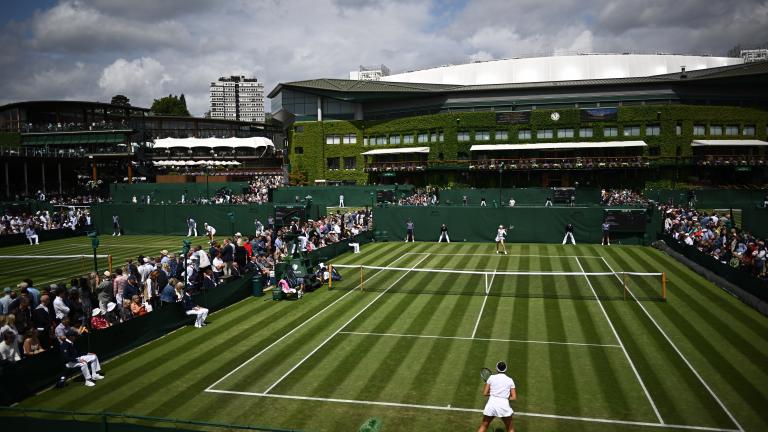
{"points": [[441, 137], [433, 137], [544, 133], [524, 134], [333, 163], [679, 129], [350, 163], [749, 130], [715, 130], [586, 132], [407, 139], [501, 136], [565, 133], [631, 131], [482, 136], [381, 140], [731, 130], [332, 139], [365, 141], [299, 129], [350, 139], [394, 139], [652, 130], [462, 136], [611, 131], [423, 137], [298, 150], [698, 130]]}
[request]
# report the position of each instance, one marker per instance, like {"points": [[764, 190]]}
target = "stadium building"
{"points": [[66, 146], [554, 121]]}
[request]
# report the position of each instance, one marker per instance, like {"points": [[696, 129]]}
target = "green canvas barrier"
{"points": [[755, 220], [22, 379], [172, 219], [354, 196], [479, 224], [710, 198], [535, 196], [27, 206], [169, 192], [44, 236]]}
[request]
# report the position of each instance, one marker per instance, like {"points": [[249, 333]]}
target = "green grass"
{"points": [[335, 358]]}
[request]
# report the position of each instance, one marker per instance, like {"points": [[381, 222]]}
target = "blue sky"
{"points": [[145, 49]]}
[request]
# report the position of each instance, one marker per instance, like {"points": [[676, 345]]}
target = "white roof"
{"points": [[728, 142], [559, 145], [253, 142], [397, 151]]}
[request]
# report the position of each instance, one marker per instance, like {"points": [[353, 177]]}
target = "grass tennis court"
{"points": [[408, 348]]}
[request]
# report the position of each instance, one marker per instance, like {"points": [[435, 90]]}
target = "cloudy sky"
{"points": [[94, 49]]}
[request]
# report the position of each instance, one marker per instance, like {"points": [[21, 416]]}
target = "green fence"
{"points": [[27, 206], [43, 236], [710, 198], [755, 220], [172, 219], [170, 192], [534, 196], [48, 420], [479, 224], [328, 196], [22, 379]]}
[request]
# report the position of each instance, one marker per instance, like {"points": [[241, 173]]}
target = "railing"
{"points": [[728, 160], [408, 166], [42, 152], [559, 163]]}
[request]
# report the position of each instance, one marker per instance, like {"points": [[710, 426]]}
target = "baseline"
{"points": [[677, 350], [473, 410], [481, 339]]}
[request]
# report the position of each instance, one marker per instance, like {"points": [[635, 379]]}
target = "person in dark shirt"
{"points": [[606, 227], [569, 234], [131, 288], [409, 231], [88, 363], [443, 234]]}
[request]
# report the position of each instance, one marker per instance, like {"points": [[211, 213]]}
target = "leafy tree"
{"points": [[171, 105], [121, 100]]}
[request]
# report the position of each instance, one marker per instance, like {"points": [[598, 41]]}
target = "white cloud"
{"points": [[143, 79]]}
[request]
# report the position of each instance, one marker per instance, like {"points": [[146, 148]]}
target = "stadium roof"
{"points": [[392, 88], [400, 150], [557, 146], [728, 142], [253, 142]]}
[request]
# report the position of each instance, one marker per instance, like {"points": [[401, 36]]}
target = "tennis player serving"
{"points": [[500, 389], [501, 234]]}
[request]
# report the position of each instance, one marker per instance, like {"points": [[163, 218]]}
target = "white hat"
{"points": [[164, 252], [238, 234], [111, 306], [96, 312], [107, 274], [501, 226], [146, 259]]}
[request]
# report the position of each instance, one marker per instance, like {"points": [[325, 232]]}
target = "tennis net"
{"points": [[544, 284]]}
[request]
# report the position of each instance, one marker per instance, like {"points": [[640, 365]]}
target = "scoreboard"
{"points": [[626, 220]]}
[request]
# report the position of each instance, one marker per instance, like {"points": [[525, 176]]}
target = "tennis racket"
{"points": [[485, 373]]}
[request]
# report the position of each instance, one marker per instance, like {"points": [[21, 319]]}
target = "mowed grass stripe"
{"points": [[665, 374], [695, 325]]}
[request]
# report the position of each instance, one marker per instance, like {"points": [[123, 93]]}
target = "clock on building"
{"points": [[555, 116]]}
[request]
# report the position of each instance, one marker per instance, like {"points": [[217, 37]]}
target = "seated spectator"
{"points": [[125, 311], [10, 326], [137, 308], [9, 347], [32, 345], [98, 321], [88, 363], [112, 314], [191, 308]]}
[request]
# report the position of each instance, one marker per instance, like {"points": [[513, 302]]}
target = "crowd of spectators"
{"points": [[43, 220], [420, 197], [714, 234], [614, 197], [257, 193]]}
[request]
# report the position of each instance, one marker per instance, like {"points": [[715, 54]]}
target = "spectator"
{"points": [[10, 326], [89, 363], [98, 320], [5, 300], [9, 347], [168, 295], [32, 345], [137, 308], [44, 321], [60, 305], [125, 311]]}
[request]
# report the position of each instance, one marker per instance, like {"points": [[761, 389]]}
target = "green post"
{"points": [[94, 244], [185, 246], [232, 222]]}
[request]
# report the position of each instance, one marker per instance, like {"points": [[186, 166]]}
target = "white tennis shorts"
{"points": [[497, 407], [498, 239]]}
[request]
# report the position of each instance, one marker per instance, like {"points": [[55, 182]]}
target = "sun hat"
{"points": [[96, 312], [107, 273], [164, 252], [111, 306]]}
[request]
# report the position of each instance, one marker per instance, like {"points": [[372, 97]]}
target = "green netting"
{"points": [[170, 192], [354, 196], [710, 198], [523, 196]]}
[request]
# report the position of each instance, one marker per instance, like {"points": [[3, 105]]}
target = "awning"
{"points": [[253, 142], [728, 142], [396, 151], [559, 145]]}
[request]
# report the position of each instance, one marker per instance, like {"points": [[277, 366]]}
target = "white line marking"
{"points": [[482, 339], [616, 334], [288, 334], [472, 410], [340, 329], [690, 366], [485, 299], [509, 255]]}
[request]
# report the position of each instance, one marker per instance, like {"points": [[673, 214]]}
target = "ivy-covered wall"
{"points": [[308, 151], [10, 139]]}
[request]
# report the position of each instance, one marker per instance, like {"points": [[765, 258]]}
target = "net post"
{"points": [[624, 282], [664, 286], [109, 263], [330, 276]]}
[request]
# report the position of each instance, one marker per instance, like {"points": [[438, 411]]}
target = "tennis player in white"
{"points": [[500, 389], [500, 235]]}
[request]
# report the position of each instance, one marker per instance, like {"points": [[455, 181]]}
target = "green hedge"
{"points": [[10, 139], [311, 138]]}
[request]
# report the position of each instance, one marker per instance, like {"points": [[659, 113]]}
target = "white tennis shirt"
{"points": [[501, 385]]}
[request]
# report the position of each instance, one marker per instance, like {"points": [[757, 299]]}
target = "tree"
{"points": [[121, 100], [171, 105]]}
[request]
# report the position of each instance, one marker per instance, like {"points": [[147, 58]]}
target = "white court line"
{"points": [[485, 299], [616, 334], [483, 339], [690, 366], [472, 410], [510, 255], [288, 334], [340, 329]]}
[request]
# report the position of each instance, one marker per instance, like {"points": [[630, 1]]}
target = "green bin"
{"points": [[257, 286]]}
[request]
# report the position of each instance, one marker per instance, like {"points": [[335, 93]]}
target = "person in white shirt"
{"points": [[341, 201], [500, 389], [501, 234], [191, 227], [511, 202], [210, 231], [9, 347], [32, 236], [59, 307]]}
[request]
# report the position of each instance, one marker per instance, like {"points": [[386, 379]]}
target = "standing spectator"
{"points": [[119, 282], [44, 321], [60, 305], [228, 256], [5, 300]]}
